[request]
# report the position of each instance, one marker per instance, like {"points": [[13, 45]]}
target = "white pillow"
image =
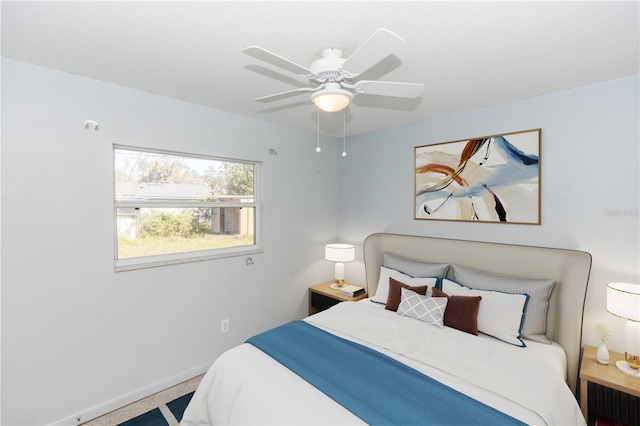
{"points": [[501, 315], [383, 283], [427, 309]]}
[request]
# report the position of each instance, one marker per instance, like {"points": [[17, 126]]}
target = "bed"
{"points": [[364, 363]]}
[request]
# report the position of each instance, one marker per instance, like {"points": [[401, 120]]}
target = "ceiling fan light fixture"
{"points": [[332, 100]]}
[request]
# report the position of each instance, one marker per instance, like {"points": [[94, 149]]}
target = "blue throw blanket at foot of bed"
{"points": [[373, 386]]}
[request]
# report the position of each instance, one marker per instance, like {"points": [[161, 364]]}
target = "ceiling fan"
{"points": [[333, 78]]}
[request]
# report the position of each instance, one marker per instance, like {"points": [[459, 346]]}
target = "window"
{"points": [[175, 207]]}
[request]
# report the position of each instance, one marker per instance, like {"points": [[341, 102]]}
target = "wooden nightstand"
{"points": [[322, 296], [607, 391]]}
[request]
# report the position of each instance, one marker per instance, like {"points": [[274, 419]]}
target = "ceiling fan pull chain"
{"points": [[318, 147], [344, 133]]}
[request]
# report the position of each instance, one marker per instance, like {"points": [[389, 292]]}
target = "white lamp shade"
{"points": [[339, 252], [623, 300]]}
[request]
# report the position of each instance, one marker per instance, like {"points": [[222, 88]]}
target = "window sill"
{"points": [[166, 260]]}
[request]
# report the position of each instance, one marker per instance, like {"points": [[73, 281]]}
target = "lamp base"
{"points": [[339, 274], [632, 360], [626, 369]]}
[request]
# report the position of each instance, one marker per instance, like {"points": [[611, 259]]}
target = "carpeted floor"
{"points": [[167, 414], [163, 408]]}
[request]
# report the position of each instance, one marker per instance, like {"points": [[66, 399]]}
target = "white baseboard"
{"points": [[128, 398]]}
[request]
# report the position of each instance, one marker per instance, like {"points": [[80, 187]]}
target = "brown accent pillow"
{"points": [[461, 311], [395, 293]]}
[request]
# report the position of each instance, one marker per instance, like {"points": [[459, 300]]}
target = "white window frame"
{"points": [[143, 262]]}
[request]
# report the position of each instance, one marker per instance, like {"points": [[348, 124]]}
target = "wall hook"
{"points": [[91, 124]]}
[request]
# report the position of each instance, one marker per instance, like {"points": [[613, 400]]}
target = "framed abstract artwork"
{"points": [[493, 179]]}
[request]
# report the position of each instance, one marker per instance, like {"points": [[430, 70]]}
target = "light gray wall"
{"points": [[590, 183], [78, 338]]}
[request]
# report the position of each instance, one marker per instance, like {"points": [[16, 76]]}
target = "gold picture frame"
{"points": [[492, 179]]}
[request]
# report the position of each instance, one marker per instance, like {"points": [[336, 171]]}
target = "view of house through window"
{"points": [[176, 206]]}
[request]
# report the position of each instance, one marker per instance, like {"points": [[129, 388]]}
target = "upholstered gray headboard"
{"points": [[569, 268]]}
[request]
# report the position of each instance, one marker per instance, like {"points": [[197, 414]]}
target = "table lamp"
{"points": [[623, 300], [339, 253]]}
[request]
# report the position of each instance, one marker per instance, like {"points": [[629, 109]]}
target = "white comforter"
{"points": [[246, 386]]}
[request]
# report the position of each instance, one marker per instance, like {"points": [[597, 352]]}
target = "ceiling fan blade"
{"points": [[389, 88], [286, 94], [377, 47], [279, 61]]}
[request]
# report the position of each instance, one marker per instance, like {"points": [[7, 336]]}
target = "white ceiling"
{"points": [[468, 54]]}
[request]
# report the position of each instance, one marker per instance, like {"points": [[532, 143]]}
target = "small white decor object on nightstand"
{"points": [[604, 333], [602, 355]]}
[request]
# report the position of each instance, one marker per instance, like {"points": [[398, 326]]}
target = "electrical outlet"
{"points": [[224, 326]]}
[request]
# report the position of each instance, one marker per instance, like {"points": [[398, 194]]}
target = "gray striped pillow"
{"points": [[539, 291], [414, 268]]}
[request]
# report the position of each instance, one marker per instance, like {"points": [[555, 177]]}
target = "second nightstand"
{"points": [[322, 296], [607, 391]]}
